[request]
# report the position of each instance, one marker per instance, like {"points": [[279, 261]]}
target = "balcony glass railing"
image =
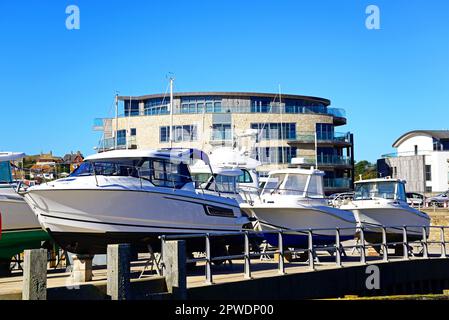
{"points": [[122, 143], [309, 136], [217, 135], [327, 159], [163, 109], [324, 159], [410, 153], [337, 183]]}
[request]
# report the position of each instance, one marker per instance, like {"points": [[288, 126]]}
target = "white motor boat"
{"points": [[131, 196], [383, 202], [294, 199], [20, 226]]}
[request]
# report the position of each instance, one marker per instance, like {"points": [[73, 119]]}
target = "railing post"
{"points": [[443, 244], [311, 251], [384, 244], [35, 275], [247, 257], [175, 268], [281, 267], [119, 265], [337, 248], [404, 242], [209, 279], [362, 241], [424, 243]]}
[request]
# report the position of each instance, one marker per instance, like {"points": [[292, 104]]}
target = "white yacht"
{"points": [[383, 202], [131, 196], [294, 199], [20, 226]]}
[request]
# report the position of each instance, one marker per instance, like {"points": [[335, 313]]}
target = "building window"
{"points": [[262, 105], [121, 137], [164, 134], [131, 108], [157, 106], [133, 132], [324, 131], [395, 172], [428, 173], [221, 131], [428, 189], [416, 150], [197, 104], [275, 155], [182, 133], [272, 131]]}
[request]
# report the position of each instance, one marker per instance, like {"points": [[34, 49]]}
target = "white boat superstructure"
{"points": [[131, 196], [294, 199], [16, 214], [383, 202]]}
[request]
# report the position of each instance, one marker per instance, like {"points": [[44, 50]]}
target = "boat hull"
{"points": [[20, 227], [372, 219], [294, 218], [105, 217]]}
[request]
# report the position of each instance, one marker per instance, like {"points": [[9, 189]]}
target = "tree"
{"points": [[365, 169]]}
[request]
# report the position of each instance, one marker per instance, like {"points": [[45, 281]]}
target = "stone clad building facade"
{"points": [[269, 127]]}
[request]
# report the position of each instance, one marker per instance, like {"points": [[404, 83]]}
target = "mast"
{"points": [[171, 112], [116, 122], [282, 123]]}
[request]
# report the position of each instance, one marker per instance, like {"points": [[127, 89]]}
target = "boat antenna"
{"points": [[171, 109], [116, 120]]}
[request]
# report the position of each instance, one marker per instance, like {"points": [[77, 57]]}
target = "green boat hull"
{"points": [[15, 242]]}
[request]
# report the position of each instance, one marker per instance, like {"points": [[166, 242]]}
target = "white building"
{"points": [[422, 159]]}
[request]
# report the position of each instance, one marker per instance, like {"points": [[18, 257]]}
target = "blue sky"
{"points": [[54, 82]]}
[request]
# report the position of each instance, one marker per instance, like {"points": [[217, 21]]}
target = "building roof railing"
{"points": [[411, 153]]}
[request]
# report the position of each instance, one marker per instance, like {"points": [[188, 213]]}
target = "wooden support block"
{"points": [[35, 275], [175, 269], [119, 271]]}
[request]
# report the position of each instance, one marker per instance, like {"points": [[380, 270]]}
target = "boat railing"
{"points": [[408, 241]]}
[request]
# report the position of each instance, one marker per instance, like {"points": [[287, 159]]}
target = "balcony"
{"points": [[323, 138], [411, 153], [325, 160], [337, 113], [122, 143], [337, 183]]}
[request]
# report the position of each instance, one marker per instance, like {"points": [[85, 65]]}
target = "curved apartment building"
{"points": [[271, 128]]}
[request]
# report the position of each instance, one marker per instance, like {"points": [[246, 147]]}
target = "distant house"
{"points": [[45, 166], [73, 160], [421, 159]]}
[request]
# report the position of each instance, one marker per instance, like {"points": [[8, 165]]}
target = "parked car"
{"points": [[415, 199], [439, 200]]}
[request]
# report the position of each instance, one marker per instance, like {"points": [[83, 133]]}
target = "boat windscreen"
{"points": [[5, 172], [371, 190]]}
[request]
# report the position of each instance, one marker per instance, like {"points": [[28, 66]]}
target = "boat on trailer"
{"points": [[293, 199], [383, 202], [20, 227], [133, 196]]}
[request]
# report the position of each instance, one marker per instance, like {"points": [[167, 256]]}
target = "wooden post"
{"points": [[174, 258], [119, 266], [35, 275]]}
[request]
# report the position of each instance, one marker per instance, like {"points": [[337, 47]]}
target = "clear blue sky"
{"points": [[54, 82]]}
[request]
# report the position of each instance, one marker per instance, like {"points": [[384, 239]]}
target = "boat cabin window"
{"points": [[315, 189], [160, 172], [295, 184], [5, 172], [385, 190], [221, 183], [245, 177]]}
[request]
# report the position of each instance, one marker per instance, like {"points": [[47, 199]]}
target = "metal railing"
{"points": [[417, 247], [274, 109]]}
